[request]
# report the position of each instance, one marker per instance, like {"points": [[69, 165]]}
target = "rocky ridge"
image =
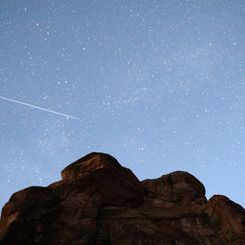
{"points": [[99, 202]]}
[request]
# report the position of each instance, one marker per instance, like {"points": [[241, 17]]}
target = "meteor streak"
{"points": [[39, 108]]}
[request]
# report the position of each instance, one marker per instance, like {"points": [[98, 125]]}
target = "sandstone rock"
{"points": [[100, 202], [229, 218]]}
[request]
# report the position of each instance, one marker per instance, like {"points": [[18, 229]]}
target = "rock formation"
{"points": [[100, 202]]}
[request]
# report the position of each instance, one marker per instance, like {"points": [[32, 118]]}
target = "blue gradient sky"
{"points": [[160, 85]]}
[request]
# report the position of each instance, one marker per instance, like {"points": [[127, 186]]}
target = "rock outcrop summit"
{"points": [[100, 202]]}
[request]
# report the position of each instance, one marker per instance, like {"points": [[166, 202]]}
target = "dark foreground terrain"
{"points": [[100, 202]]}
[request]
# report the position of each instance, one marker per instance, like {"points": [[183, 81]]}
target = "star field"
{"points": [[160, 85]]}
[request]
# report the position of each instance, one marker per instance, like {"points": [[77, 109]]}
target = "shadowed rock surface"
{"points": [[102, 203]]}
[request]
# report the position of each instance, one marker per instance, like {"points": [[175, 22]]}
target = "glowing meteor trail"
{"points": [[39, 108]]}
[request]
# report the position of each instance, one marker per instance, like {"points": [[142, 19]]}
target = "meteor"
{"points": [[39, 108]]}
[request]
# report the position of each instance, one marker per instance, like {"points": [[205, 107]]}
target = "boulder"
{"points": [[100, 202]]}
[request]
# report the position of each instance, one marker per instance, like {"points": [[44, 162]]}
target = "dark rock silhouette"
{"points": [[100, 202]]}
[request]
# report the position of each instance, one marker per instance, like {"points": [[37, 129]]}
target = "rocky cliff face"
{"points": [[100, 202]]}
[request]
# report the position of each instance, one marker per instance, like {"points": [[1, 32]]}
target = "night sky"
{"points": [[160, 85]]}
